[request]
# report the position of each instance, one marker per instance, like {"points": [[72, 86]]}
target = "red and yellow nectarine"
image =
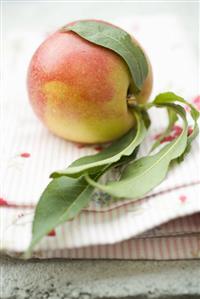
{"points": [[79, 90]]}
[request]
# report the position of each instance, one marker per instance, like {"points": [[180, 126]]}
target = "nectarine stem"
{"points": [[131, 101]]}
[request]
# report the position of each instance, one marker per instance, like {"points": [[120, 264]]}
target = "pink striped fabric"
{"points": [[178, 239]]}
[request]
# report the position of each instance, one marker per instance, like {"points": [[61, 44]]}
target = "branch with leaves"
{"points": [[71, 189]]}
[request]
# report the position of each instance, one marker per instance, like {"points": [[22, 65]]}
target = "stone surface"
{"points": [[59, 279]]}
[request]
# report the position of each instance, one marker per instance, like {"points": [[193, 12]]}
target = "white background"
{"points": [[48, 15]]}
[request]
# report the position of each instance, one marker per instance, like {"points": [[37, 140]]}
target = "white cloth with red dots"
{"points": [[163, 225]]}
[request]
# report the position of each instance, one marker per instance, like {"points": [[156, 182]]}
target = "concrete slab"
{"points": [[59, 279]]}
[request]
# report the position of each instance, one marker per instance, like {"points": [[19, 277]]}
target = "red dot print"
{"points": [[3, 202], [196, 102], [167, 139], [80, 145], [52, 233], [25, 155], [98, 148], [190, 130], [183, 198], [177, 130]]}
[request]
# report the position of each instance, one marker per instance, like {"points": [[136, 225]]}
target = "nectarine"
{"points": [[79, 90]]}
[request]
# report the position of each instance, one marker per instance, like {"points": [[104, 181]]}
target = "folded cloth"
{"points": [[105, 229]]}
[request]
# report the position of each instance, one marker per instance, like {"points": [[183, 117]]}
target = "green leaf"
{"points": [[170, 97], [146, 118], [147, 172], [172, 118], [65, 197], [190, 139], [62, 200], [117, 40], [125, 159], [122, 147]]}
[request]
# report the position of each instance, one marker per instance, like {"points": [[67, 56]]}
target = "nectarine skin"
{"points": [[79, 90]]}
